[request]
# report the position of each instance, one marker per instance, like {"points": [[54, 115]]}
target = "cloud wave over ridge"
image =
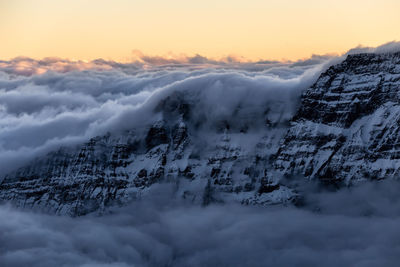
{"points": [[51, 103]]}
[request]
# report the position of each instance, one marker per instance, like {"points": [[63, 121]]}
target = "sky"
{"points": [[252, 29], [52, 103]]}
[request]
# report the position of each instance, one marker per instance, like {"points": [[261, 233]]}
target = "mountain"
{"points": [[345, 131], [347, 128], [206, 160]]}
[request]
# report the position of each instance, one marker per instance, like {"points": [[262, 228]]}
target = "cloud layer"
{"points": [[354, 227]]}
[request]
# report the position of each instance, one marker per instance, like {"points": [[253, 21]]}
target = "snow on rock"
{"points": [[347, 128], [221, 160]]}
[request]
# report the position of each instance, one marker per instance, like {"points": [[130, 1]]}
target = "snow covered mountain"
{"points": [[206, 159], [345, 130]]}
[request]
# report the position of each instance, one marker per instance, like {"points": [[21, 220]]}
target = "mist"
{"points": [[352, 227]]}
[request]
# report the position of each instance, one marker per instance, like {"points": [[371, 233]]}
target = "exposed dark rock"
{"points": [[157, 135]]}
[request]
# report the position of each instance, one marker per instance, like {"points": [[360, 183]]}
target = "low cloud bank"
{"points": [[353, 227]]}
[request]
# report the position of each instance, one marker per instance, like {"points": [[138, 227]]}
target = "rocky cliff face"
{"points": [[205, 162], [346, 130]]}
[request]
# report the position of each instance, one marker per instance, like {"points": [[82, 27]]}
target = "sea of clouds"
{"points": [[353, 227], [45, 104]]}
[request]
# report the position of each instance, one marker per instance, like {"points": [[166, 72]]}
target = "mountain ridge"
{"points": [[345, 131]]}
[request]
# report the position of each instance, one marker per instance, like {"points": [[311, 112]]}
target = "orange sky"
{"points": [[254, 29]]}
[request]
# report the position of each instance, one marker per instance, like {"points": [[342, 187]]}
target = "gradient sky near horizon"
{"points": [[254, 29]]}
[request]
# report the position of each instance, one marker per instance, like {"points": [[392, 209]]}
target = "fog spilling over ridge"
{"points": [[40, 112]]}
